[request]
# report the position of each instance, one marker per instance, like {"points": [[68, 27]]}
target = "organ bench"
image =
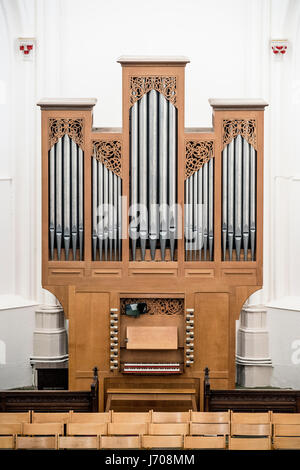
{"points": [[152, 235]]}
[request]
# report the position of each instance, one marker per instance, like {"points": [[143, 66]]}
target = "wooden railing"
{"points": [[51, 400], [257, 400]]}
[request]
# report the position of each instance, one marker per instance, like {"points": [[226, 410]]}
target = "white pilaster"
{"points": [[254, 365]]}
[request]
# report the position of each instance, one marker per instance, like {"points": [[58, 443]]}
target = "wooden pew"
{"points": [[286, 430], [208, 430], [250, 431], [10, 426], [39, 436]]}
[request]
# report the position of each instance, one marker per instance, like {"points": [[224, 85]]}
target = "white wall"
{"points": [[78, 43], [17, 338]]}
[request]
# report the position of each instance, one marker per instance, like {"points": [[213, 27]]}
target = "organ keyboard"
{"points": [[152, 368]]}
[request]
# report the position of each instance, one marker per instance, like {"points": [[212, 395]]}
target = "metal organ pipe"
{"points": [[224, 200], [205, 209], [252, 201], [110, 212], [246, 197], [143, 180], [80, 202], [153, 167], [107, 213], [153, 178], [58, 199], [163, 167], [52, 200], [211, 208], [238, 196], [230, 190], [100, 231], [172, 178], [238, 199], [66, 232], [66, 199], [94, 208], [199, 214], [134, 178], [74, 200]]}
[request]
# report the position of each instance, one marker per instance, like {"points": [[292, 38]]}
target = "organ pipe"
{"points": [[199, 214], [153, 180], [153, 139], [238, 200], [163, 166], [66, 199], [107, 213]]}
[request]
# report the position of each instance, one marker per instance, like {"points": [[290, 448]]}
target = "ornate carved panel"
{"points": [[139, 86], [245, 128], [197, 152], [157, 306], [59, 127], [109, 152]]}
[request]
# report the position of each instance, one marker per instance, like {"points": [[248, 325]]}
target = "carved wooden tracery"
{"points": [[72, 127], [109, 152], [245, 128], [197, 152], [157, 306], [139, 86]]}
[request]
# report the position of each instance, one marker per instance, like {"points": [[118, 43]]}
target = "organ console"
{"points": [[155, 214]]}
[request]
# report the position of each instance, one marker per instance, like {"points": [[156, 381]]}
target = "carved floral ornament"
{"points": [[109, 152], [139, 86], [235, 127], [197, 153], [60, 127], [157, 306]]}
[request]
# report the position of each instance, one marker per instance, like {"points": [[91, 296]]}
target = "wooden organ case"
{"points": [[158, 215]]}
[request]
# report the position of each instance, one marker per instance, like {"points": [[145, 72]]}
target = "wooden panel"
{"points": [[86, 429], [200, 273], [100, 273], [285, 442], [242, 429], [239, 276], [120, 442], [78, 442], [64, 273], [160, 442], [155, 337], [50, 417], [156, 273], [7, 442], [212, 331], [175, 417], [253, 443], [287, 430], [10, 429], [42, 429], [130, 417], [202, 429], [128, 429], [90, 331], [13, 418], [45, 442], [204, 442], [90, 418], [164, 429]]}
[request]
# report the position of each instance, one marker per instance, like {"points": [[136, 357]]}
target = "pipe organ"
{"points": [[152, 236]]}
